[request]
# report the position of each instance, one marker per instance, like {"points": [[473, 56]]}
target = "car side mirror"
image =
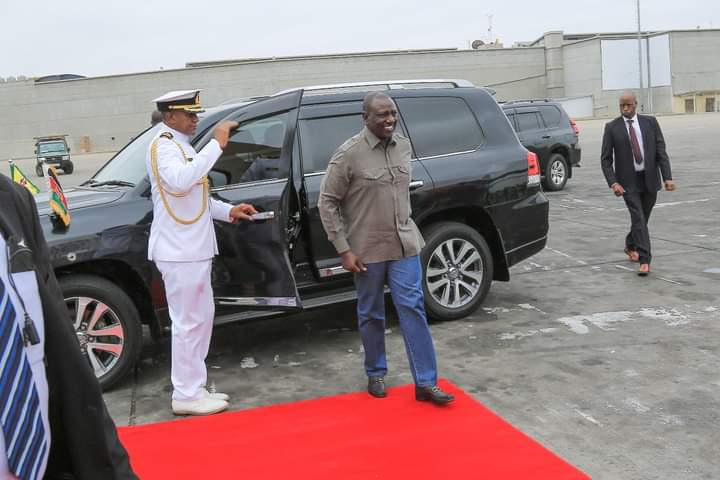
{"points": [[35, 151], [218, 179], [68, 148]]}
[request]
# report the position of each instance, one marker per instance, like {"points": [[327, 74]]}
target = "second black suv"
{"points": [[543, 127], [475, 194]]}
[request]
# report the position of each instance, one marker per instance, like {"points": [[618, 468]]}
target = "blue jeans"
{"points": [[404, 278]]}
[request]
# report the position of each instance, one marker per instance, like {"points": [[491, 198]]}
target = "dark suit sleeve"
{"points": [[84, 441], [606, 155], [661, 156]]}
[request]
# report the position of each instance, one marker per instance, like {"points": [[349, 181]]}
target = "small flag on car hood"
{"points": [[58, 202], [19, 177]]}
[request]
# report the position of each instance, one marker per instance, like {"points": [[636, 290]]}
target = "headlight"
{"points": [[66, 157], [41, 159]]}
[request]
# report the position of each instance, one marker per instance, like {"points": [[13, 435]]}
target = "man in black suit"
{"points": [[634, 159], [82, 437]]}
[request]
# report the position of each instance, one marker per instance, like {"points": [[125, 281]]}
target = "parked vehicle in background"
{"points": [[475, 195], [543, 127], [52, 150]]}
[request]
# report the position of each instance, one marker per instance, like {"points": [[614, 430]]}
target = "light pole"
{"points": [[639, 38]]}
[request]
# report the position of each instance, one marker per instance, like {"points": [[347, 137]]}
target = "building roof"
{"points": [[215, 63], [577, 37]]}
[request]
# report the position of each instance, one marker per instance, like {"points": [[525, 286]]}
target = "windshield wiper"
{"points": [[120, 183]]}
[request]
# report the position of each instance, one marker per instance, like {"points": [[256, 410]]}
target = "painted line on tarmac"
{"points": [[658, 277], [528, 265], [581, 262], [670, 281], [673, 204], [588, 417], [682, 202]]}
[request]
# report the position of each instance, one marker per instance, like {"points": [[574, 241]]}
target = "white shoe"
{"points": [[216, 395], [201, 406]]}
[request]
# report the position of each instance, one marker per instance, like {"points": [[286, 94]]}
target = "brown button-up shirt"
{"points": [[365, 199]]}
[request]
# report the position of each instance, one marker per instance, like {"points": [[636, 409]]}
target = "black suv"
{"points": [[475, 195], [543, 127]]}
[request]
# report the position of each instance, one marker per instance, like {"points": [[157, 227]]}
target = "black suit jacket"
{"points": [[84, 442], [617, 160]]}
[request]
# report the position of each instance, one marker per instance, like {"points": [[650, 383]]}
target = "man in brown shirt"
{"points": [[365, 209]]}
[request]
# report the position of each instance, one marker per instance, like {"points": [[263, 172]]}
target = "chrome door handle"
{"points": [[415, 184]]}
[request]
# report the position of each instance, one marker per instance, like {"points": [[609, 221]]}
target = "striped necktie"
{"points": [[26, 441], [637, 153]]}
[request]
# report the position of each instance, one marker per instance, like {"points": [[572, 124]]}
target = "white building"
{"points": [[587, 71]]}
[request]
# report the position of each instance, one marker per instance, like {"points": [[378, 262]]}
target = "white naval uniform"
{"points": [[26, 285], [183, 254]]}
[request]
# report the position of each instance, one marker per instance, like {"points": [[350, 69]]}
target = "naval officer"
{"points": [[182, 242]]}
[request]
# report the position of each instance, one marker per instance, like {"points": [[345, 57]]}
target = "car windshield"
{"points": [[128, 165], [52, 147]]}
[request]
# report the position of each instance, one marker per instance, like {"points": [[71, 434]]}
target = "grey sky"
{"points": [[92, 37]]}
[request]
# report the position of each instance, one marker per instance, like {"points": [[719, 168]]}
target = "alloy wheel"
{"points": [[557, 172], [99, 332], [454, 273]]}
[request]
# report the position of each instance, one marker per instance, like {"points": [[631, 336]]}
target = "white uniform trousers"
{"points": [[192, 310]]}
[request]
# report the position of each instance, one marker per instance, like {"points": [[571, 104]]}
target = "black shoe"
{"points": [[376, 387], [433, 394]]}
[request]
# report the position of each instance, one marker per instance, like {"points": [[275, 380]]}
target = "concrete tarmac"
{"points": [[617, 374]]}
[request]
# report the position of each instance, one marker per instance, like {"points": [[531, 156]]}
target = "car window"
{"points": [[440, 125], [511, 117], [551, 115], [51, 147], [528, 121], [128, 165], [254, 151], [320, 137]]}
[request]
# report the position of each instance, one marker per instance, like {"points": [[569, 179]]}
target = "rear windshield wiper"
{"points": [[120, 183]]}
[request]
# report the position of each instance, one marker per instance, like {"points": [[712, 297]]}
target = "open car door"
{"points": [[254, 268]]}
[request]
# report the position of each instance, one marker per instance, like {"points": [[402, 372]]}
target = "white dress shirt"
{"points": [[639, 167], [27, 287], [171, 241]]}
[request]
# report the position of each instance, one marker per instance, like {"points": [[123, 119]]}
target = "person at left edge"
{"points": [[59, 387], [182, 243]]}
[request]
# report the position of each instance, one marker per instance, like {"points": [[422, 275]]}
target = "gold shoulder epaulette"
{"points": [[167, 135]]}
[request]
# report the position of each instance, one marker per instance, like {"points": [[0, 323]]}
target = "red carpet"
{"points": [[349, 436]]}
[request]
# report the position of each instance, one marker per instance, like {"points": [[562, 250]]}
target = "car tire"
{"points": [[105, 308], [457, 270], [39, 170], [67, 167], [556, 173]]}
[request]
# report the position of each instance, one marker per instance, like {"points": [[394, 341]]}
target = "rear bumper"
{"points": [[575, 154], [523, 227], [522, 252]]}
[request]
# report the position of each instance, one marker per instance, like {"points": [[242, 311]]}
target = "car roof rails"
{"points": [[380, 85], [529, 100], [242, 100], [50, 137]]}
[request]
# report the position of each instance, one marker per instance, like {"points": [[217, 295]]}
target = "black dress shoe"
{"points": [[376, 387], [433, 394]]}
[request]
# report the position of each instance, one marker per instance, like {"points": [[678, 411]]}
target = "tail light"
{"points": [[574, 127], [533, 169]]}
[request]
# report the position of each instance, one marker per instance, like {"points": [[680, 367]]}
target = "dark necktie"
{"points": [[634, 142], [26, 441]]}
